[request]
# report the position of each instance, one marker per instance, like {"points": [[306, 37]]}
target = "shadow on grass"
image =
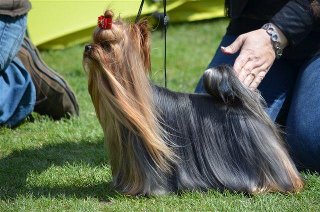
{"points": [[15, 168]]}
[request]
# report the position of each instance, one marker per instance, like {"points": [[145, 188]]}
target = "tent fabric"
{"points": [[58, 23]]}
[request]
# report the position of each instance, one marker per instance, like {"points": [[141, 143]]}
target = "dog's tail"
{"points": [[221, 83], [277, 169]]}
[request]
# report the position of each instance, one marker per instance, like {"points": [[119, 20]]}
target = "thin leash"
{"points": [[139, 12], [165, 23]]}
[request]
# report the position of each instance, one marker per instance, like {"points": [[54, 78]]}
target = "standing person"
{"points": [[26, 83], [274, 46]]}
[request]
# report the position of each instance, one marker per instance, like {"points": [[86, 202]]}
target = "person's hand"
{"points": [[255, 58]]}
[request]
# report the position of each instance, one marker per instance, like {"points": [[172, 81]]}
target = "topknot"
{"points": [[105, 21], [108, 14], [107, 30]]}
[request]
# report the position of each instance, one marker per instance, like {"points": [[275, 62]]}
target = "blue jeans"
{"points": [[17, 92], [291, 90]]}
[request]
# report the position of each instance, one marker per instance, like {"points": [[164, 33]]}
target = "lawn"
{"points": [[62, 165]]}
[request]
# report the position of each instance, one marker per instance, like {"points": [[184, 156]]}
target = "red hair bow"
{"points": [[104, 23]]}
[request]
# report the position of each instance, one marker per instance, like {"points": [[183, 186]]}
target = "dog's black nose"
{"points": [[88, 48]]}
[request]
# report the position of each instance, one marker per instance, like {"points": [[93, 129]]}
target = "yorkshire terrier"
{"points": [[161, 141]]}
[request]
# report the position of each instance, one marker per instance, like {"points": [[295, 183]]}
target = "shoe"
{"points": [[54, 96]]}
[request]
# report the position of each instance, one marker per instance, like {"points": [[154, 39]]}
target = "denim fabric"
{"points": [[283, 79], [303, 122], [17, 92]]}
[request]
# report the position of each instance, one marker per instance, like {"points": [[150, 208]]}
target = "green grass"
{"points": [[62, 166]]}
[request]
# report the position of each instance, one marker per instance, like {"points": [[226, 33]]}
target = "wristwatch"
{"points": [[276, 38]]}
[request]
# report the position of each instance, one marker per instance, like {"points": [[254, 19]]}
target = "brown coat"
{"points": [[14, 7]]}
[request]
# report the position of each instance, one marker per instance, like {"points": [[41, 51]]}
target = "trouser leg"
{"points": [[303, 122]]}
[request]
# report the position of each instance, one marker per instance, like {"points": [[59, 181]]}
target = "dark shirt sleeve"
{"points": [[296, 20]]}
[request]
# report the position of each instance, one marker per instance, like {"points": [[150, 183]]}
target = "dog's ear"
{"points": [[144, 27], [145, 45]]}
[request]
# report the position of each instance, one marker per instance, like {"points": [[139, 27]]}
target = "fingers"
{"points": [[254, 78], [248, 68], [255, 58], [249, 79], [252, 73], [240, 62], [259, 75], [235, 46]]}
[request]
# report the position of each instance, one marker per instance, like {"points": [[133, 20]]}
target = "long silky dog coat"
{"points": [[161, 141]]}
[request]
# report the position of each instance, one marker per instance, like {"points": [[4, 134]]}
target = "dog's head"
{"points": [[117, 46], [118, 59]]}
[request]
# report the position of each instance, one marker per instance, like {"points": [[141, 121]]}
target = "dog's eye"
{"points": [[106, 46]]}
